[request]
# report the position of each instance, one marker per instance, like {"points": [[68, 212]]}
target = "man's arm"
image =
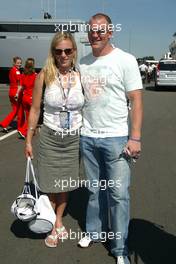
{"points": [[136, 116]]}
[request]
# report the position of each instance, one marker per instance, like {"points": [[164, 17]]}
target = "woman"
{"points": [[28, 80], [58, 157], [15, 95]]}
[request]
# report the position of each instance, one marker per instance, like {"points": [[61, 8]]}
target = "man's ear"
{"points": [[110, 35]]}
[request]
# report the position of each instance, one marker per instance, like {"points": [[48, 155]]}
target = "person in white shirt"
{"points": [[144, 71], [110, 77], [149, 73]]}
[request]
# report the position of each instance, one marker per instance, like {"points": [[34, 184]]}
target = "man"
{"points": [[110, 78], [144, 71]]}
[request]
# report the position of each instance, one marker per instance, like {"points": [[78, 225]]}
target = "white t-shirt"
{"points": [[106, 81], [53, 103], [143, 68]]}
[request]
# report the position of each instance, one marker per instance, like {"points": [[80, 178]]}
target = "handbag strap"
{"points": [[29, 171], [31, 168], [26, 188]]}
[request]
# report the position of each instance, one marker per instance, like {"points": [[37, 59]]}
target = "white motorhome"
{"points": [[31, 38]]}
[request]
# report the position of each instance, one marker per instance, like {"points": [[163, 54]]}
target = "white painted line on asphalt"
{"points": [[8, 135]]}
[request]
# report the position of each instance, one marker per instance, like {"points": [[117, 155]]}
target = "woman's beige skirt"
{"points": [[58, 161]]}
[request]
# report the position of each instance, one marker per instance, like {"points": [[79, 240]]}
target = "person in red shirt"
{"points": [[28, 80], [15, 96]]}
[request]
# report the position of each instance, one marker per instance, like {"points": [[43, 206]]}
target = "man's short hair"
{"points": [[100, 15]]}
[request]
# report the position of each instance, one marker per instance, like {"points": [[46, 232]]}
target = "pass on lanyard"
{"points": [[64, 113], [64, 119]]}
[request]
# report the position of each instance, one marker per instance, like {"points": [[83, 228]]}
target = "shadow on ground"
{"points": [[20, 229], [151, 243], [77, 205], [148, 242]]}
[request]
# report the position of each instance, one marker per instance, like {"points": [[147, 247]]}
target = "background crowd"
{"points": [[21, 85]]}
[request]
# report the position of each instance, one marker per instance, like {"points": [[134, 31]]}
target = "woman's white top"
{"points": [[54, 100]]}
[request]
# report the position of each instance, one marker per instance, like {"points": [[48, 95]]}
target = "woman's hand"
{"points": [[16, 97], [28, 150]]}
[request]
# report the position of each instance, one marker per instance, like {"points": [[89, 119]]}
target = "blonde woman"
{"points": [[58, 157]]}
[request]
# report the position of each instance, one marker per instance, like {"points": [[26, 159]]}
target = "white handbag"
{"points": [[37, 209], [46, 217], [24, 206]]}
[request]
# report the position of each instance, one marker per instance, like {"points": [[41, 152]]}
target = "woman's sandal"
{"points": [[54, 239], [61, 232]]}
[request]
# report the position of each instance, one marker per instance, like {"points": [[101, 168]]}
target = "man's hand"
{"points": [[133, 148]]}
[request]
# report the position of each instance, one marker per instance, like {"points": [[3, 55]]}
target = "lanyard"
{"points": [[65, 95]]}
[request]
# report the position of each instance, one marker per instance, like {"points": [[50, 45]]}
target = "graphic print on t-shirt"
{"points": [[95, 81]]}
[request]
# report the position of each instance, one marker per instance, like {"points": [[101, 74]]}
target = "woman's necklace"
{"points": [[65, 89], [64, 113]]}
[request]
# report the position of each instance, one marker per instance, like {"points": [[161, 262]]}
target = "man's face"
{"points": [[99, 33]]}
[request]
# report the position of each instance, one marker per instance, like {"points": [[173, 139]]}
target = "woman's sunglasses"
{"points": [[66, 51]]}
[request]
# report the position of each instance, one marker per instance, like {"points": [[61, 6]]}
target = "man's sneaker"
{"points": [[123, 260], [85, 242]]}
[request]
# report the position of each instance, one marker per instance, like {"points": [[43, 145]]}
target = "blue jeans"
{"points": [[108, 179]]}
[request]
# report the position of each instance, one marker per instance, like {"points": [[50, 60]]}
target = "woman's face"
{"points": [[18, 64], [64, 54]]}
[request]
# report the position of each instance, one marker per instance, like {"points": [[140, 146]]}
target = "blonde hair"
{"points": [[50, 69]]}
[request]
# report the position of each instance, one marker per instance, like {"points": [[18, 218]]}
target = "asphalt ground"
{"points": [[152, 227]]}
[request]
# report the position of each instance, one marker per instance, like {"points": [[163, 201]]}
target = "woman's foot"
{"points": [[52, 240], [61, 232], [21, 135], [4, 129]]}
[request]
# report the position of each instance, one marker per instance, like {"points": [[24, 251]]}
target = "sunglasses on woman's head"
{"points": [[66, 51]]}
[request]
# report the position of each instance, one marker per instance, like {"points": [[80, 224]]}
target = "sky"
{"points": [[147, 26]]}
